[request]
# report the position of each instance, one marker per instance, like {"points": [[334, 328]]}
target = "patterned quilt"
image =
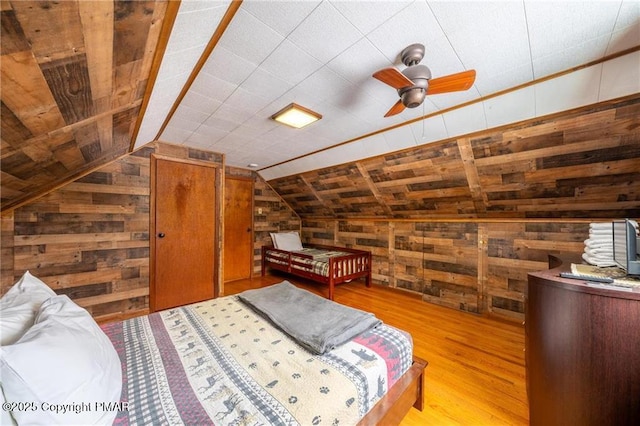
{"points": [[218, 362], [319, 265]]}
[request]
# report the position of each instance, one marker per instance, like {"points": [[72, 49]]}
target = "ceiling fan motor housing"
{"points": [[413, 96]]}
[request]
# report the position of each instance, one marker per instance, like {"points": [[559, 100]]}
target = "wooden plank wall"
{"points": [[73, 78], [270, 214], [90, 238], [473, 265]]}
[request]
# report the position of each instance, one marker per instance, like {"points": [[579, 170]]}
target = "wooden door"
{"points": [[238, 224], [184, 233]]}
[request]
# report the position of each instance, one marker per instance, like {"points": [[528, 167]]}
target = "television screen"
{"points": [[625, 246], [620, 243]]}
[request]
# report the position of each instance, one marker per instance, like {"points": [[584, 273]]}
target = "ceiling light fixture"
{"points": [[296, 116]]}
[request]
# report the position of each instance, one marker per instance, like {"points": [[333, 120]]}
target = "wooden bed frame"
{"points": [[355, 264], [407, 392]]}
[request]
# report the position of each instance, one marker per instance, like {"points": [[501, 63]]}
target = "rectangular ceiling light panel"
{"points": [[296, 116]]}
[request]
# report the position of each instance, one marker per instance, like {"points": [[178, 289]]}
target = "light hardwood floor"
{"points": [[476, 371]]}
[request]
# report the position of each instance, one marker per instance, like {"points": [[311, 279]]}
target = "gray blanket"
{"points": [[316, 323]]}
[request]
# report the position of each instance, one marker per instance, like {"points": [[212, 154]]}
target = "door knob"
{"points": [[248, 229], [161, 235]]}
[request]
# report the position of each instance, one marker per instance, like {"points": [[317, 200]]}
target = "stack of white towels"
{"points": [[598, 248]]}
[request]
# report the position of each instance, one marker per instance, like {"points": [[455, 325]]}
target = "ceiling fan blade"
{"points": [[452, 83], [397, 108], [393, 78]]}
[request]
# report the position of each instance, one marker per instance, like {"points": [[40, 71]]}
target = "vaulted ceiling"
{"points": [[84, 82]]}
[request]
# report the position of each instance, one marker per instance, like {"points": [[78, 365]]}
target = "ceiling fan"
{"points": [[415, 81]]}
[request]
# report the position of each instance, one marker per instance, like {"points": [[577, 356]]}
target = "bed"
{"points": [[221, 361], [328, 265]]}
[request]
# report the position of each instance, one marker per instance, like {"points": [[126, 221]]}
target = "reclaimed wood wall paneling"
{"points": [[73, 78], [90, 239]]}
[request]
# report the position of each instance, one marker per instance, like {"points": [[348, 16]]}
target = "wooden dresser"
{"points": [[582, 351]]}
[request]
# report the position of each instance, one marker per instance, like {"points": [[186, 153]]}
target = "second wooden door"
{"points": [[238, 233]]}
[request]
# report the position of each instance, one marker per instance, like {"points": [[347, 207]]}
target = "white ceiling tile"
{"points": [[367, 15], [590, 24], [349, 152], [235, 141], [231, 114], [322, 85], [624, 39], [511, 107], [376, 89], [300, 94], [620, 77], [282, 16], [187, 6], [249, 38], [200, 103], [627, 30], [179, 64], [504, 79], [289, 169], [277, 134], [206, 136], [266, 85], [303, 164], [290, 63], [160, 104], [227, 66], [273, 172], [548, 22], [311, 141], [247, 101], [580, 54], [568, 91], [255, 127], [175, 135], [318, 160], [339, 125], [194, 25], [416, 24], [429, 130], [375, 145], [447, 100], [358, 63], [465, 120], [370, 110], [629, 15], [212, 87], [325, 33], [188, 114], [216, 122], [399, 138], [469, 25], [314, 162]]}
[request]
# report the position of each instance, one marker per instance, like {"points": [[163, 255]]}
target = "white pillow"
{"points": [[289, 241], [18, 307], [274, 239], [65, 358], [5, 415]]}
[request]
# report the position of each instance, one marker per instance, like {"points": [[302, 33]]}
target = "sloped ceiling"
{"points": [[74, 75], [84, 82]]}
